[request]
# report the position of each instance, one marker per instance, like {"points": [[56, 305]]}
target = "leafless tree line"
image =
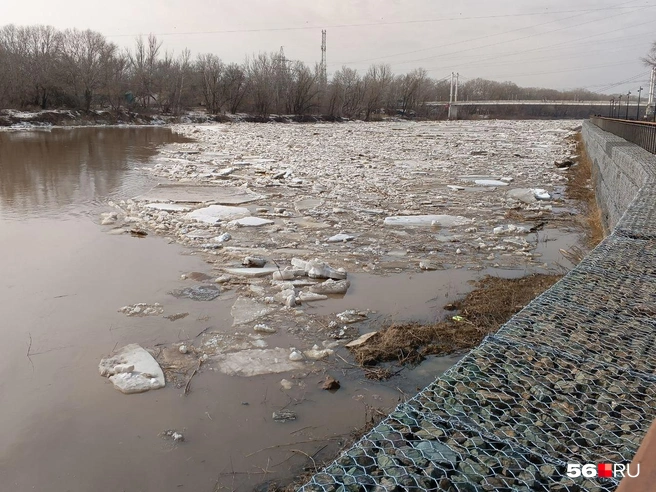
{"points": [[43, 67]]}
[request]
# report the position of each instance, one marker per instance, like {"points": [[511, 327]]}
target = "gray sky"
{"points": [[548, 43]]}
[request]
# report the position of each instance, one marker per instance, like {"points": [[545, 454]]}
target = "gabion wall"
{"points": [[569, 379]]}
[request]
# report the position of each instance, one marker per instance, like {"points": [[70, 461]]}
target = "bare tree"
{"points": [[376, 84], [210, 70], [144, 67], [85, 57]]}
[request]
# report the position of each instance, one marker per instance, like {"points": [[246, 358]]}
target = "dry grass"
{"points": [[579, 187], [483, 311]]}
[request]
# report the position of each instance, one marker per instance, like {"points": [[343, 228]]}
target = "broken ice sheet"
{"points": [[255, 362], [200, 293], [245, 310]]}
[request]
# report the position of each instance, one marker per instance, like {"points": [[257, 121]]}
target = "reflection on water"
{"points": [[44, 173]]}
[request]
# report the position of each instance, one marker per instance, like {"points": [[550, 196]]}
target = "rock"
{"points": [[427, 220], [361, 340], [183, 349], [284, 416], [319, 269], [286, 384], [216, 213], [262, 328], [330, 384], [245, 310], [250, 222], [145, 373], [437, 452], [200, 293], [253, 262], [331, 287], [254, 362], [340, 238], [564, 164]]}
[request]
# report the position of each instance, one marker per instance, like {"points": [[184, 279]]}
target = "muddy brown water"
{"points": [[63, 427]]}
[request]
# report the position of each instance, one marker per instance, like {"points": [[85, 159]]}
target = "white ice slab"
{"points": [[490, 182], [132, 370], [186, 193], [215, 213], [251, 272], [340, 238], [427, 220], [169, 207], [251, 222], [245, 310], [255, 362]]}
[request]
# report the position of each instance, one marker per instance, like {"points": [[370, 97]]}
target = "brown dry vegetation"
{"points": [[483, 311], [579, 187]]}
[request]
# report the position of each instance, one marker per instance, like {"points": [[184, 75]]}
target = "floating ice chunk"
{"points": [[216, 213], [525, 195], [168, 207], [455, 187], [251, 272], [510, 228], [339, 238], [490, 182], [331, 287], [145, 373], [319, 269], [245, 310], [316, 353], [253, 362], [427, 220], [541, 194], [250, 222], [311, 297]]}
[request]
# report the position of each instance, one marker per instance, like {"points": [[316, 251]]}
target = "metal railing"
{"points": [[638, 132]]}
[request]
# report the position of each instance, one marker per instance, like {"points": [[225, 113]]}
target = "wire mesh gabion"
{"points": [[569, 379]]}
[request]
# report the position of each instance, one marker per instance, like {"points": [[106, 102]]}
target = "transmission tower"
{"points": [[324, 73]]}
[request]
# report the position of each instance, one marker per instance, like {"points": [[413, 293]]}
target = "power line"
{"points": [[368, 24], [530, 36], [543, 47], [480, 38]]}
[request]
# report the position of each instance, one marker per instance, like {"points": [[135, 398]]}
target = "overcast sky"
{"points": [[548, 43]]}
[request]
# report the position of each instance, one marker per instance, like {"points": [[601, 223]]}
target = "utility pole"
{"points": [[450, 97], [455, 97], [649, 112], [628, 94], [638, 110], [619, 106], [324, 70], [612, 103]]}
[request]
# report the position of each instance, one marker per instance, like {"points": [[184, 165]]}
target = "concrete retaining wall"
{"points": [[571, 379], [621, 169]]}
